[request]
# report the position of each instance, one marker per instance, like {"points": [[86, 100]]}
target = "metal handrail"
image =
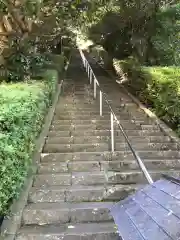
{"points": [[92, 76]]}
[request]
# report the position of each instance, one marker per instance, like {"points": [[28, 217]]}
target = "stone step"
{"points": [[87, 113], [99, 126], [83, 231], [60, 167], [81, 193], [85, 116], [106, 132], [98, 178], [160, 155], [65, 148], [143, 146], [137, 177], [106, 116], [108, 156], [59, 213], [93, 106], [96, 147], [119, 165], [154, 164], [64, 179], [100, 139], [71, 99], [98, 121], [75, 108]]}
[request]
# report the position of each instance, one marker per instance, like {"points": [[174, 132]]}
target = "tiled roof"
{"points": [[153, 213]]}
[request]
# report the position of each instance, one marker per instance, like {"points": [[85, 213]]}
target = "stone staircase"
{"points": [[78, 178]]}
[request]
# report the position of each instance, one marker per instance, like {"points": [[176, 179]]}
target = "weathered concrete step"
{"points": [[135, 176], [87, 108], [98, 126], [82, 93], [60, 167], [160, 155], [96, 147], [64, 179], [100, 139], [65, 148], [106, 116], [119, 165], [143, 146], [70, 99], [108, 156], [97, 178], [105, 132], [98, 121], [153, 164], [81, 193], [93, 106], [59, 213], [85, 116], [89, 231]]}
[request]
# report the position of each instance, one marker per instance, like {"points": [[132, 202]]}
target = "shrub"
{"points": [[158, 87], [22, 110], [166, 42], [55, 61]]}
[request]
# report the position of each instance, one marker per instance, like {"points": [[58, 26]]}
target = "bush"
{"points": [[158, 87], [55, 61], [22, 110], [166, 42], [132, 74]]}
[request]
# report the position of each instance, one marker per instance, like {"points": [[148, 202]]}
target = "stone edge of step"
{"points": [[69, 229], [12, 223]]}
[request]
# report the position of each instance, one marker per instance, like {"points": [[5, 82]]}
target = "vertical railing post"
{"points": [[100, 99], [86, 65], [90, 79], [88, 70], [112, 132], [94, 87]]}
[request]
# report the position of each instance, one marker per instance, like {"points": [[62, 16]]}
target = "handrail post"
{"points": [[86, 65], [112, 132], [88, 71], [90, 76], [100, 99], [94, 87]]}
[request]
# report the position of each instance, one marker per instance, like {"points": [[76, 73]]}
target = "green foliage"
{"points": [[163, 88], [23, 61], [3, 8], [22, 110], [166, 41], [158, 87], [55, 61], [147, 30], [32, 7]]}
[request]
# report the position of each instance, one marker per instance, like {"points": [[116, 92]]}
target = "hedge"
{"points": [[22, 110], [56, 61], [157, 87]]}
